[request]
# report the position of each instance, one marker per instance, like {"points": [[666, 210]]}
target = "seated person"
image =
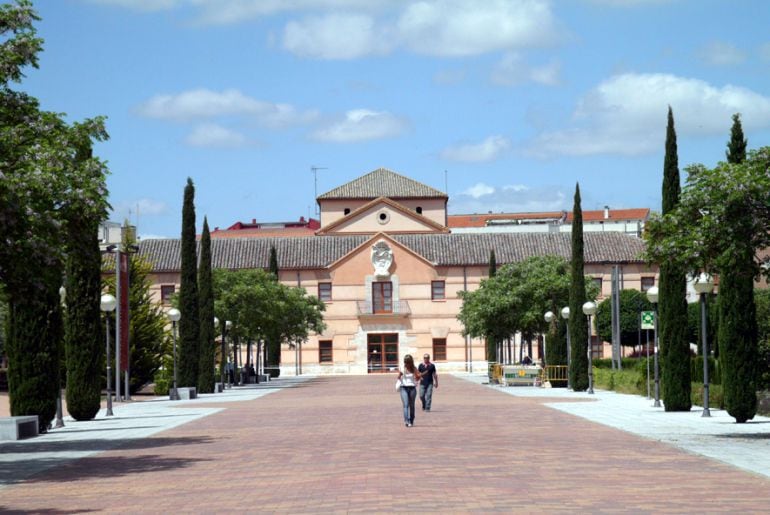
{"points": [[526, 360]]}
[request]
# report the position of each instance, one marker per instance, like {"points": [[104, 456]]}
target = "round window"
{"points": [[383, 217]]}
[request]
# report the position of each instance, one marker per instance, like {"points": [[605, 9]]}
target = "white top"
{"points": [[408, 379]]}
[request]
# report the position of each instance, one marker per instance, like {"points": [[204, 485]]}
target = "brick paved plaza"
{"points": [[338, 444]]}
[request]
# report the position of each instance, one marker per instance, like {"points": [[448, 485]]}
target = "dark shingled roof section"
{"points": [[441, 249], [382, 183]]}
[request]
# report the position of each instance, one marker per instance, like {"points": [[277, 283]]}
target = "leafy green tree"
{"points": [[262, 308], [578, 325], [42, 182], [632, 303], [672, 304], [206, 303], [492, 263], [515, 300], [762, 302], [189, 324], [492, 343]]}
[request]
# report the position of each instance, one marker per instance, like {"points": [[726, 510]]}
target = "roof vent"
{"points": [[606, 212]]}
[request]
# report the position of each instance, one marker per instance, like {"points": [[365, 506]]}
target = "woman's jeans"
{"points": [[408, 395]]}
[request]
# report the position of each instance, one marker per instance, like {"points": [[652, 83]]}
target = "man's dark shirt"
{"points": [[427, 372]]}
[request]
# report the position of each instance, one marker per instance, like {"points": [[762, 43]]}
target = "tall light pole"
{"points": [[704, 285], [228, 325], [652, 296], [107, 305], [59, 414], [549, 317], [174, 315], [565, 316], [589, 309]]}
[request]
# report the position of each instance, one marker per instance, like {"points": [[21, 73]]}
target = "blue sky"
{"points": [[507, 102]]}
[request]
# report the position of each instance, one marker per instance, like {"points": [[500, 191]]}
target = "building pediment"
{"points": [[383, 215]]}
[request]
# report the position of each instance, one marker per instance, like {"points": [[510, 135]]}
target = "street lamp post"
{"points": [[704, 285], [174, 315], [227, 326], [652, 296], [565, 316], [589, 308], [549, 317], [107, 305], [59, 410]]}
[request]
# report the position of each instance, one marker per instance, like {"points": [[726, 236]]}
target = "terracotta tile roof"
{"points": [[382, 183], [480, 220], [263, 233], [442, 249]]}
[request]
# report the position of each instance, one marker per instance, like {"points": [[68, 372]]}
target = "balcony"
{"points": [[397, 308]]}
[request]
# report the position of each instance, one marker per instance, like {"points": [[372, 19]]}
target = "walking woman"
{"points": [[409, 378]]}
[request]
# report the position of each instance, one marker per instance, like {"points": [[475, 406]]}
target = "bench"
{"points": [[187, 393], [16, 428], [521, 375]]}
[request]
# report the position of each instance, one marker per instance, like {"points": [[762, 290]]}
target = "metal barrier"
{"points": [[522, 375], [495, 373], [555, 374]]}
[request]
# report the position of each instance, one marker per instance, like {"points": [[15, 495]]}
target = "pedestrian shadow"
{"points": [[47, 511], [746, 436], [98, 444], [53, 470]]}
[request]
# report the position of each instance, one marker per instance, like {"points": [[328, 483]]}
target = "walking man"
{"points": [[428, 381]]}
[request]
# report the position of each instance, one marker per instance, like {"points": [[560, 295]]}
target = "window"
{"points": [[439, 349], [325, 292], [419, 210], [347, 211], [166, 291], [598, 282], [383, 217], [647, 283], [437, 290], [382, 297], [325, 351]]}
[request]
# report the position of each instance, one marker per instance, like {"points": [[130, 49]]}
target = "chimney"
{"points": [[253, 221], [606, 212]]}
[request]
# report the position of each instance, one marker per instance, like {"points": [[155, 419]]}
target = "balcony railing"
{"points": [[396, 307]]}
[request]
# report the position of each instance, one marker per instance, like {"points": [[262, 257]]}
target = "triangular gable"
{"points": [[357, 221], [366, 247]]}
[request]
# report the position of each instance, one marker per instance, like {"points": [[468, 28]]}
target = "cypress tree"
{"points": [[674, 346], [83, 344], [737, 312], [492, 263], [492, 342], [189, 325], [206, 301], [578, 325], [273, 266], [736, 147]]}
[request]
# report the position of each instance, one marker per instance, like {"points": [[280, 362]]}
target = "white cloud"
{"points": [[362, 125], [336, 36], [626, 114], [141, 207], [478, 190], [206, 104], [629, 3], [719, 53], [488, 150], [457, 28], [512, 70], [215, 136], [222, 12], [517, 198]]}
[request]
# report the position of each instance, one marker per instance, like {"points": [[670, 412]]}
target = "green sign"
{"points": [[648, 320]]}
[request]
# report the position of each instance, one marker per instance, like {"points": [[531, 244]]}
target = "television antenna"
{"points": [[315, 169]]}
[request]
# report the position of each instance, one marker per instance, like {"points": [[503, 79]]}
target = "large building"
{"points": [[389, 269]]}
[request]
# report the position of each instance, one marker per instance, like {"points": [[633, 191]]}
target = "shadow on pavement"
{"points": [[47, 511], [99, 444]]}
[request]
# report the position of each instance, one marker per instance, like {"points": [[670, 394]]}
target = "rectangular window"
{"points": [[166, 292], [439, 349], [598, 282], [325, 351], [325, 292], [438, 290], [382, 297], [647, 283]]}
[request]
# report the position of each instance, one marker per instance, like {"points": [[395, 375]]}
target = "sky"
{"points": [[504, 104]]}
